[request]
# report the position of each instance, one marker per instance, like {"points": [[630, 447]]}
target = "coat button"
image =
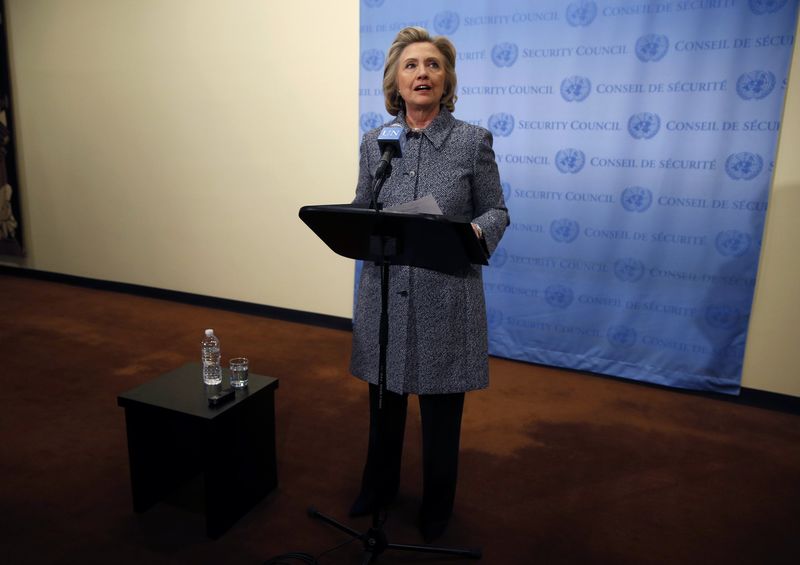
{"points": [[413, 173]]}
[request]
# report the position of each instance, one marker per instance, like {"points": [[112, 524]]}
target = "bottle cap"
{"points": [[209, 332]]}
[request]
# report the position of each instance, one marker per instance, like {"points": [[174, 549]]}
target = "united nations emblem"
{"points": [[494, 317], [506, 191], [575, 88], [372, 60], [558, 295], [722, 317], [498, 258], [564, 230], [570, 160], [644, 125], [652, 47], [621, 336], [581, 13], [755, 85], [733, 243], [744, 165], [734, 353], [504, 54], [501, 124], [446, 23], [373, 3], [636, 199], [628, 269], [761, 7], [370, 120]]}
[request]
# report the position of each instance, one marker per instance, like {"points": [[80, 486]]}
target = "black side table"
{"points": [[173, 435]]}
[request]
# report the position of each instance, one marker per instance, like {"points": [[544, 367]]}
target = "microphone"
{"points": [[391, 142]]}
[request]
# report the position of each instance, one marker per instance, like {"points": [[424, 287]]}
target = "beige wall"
{"points": [[170, 143], [155, 133]]}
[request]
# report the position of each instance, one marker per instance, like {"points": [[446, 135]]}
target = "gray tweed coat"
{"points": [[437, 322]]}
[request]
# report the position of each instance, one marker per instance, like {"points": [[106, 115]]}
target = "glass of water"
{"points": [[239, 372]]}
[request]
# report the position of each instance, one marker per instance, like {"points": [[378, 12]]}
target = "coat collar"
{"points": [[438, 130]]}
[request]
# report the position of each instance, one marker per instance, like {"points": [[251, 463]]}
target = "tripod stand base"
{"points": [[375, 541]]}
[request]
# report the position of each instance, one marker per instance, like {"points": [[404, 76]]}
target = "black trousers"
{"points": [[441, 434]]}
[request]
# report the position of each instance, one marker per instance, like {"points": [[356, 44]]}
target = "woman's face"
{"points": [[421, 76]]}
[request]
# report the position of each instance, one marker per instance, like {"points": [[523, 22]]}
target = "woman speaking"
{"points": [[437, 322]]}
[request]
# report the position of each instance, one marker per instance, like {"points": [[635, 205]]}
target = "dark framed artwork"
{"points": [[10, 229]]}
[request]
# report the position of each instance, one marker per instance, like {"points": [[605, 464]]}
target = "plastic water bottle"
{"points": [[212, 370]]}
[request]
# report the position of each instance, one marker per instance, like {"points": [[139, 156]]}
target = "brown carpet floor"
{"points": [[557, 467]]}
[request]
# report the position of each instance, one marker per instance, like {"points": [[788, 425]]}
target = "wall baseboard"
{"points": [[285, 314], [768, 400], [747, 396]]}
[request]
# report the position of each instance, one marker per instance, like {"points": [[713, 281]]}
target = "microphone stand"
{"points": [[375, 540]]}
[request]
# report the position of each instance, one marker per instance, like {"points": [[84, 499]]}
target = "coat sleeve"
{"points": [[365, 180], [491, 213]]}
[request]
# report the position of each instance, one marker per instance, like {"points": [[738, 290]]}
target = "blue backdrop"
{"points": [[636, 144]]}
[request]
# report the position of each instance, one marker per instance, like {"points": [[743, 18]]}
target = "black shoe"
{"points": [[432, 530], [362, 506], [366, 502]]}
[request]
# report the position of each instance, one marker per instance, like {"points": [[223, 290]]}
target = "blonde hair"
{"points": [[391, 96]]}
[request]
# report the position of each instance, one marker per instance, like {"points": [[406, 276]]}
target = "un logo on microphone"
{"points": [[644, 125], [621, 336], [446, 23], [652, 47], [369, 121], [581, 13], [564, 230], [733, 243], [628, 269], [761, 7], [501, 124], [575, 88], [372, 60], [570, 160], [744, 165], [722, 317], [498, 258], [636, 199], [755, 85], [504, 54], [558, 295]]}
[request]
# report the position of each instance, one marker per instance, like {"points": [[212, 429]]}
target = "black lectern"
{"points": [[439, 243], [433, 242]]}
